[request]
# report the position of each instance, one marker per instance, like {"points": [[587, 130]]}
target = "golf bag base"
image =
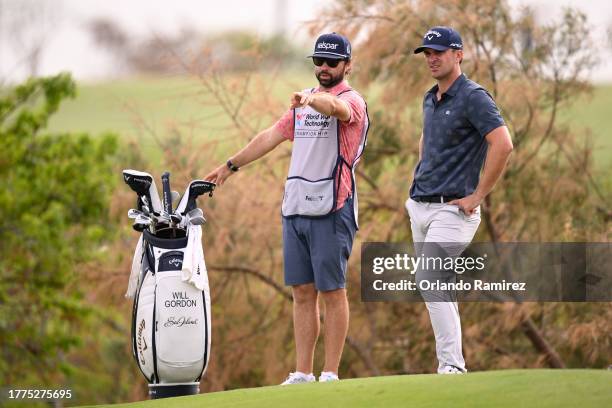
{"points": [[171, 318], [157, 391]]}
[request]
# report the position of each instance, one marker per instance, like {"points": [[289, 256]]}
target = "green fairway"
{"points": [[138, 108], [146, 109], [593, 113], [499, 389], [144, 105], [126, 106]]}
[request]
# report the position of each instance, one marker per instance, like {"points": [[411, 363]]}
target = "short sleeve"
{"points": [[285, 125], [356, 105], [482, 112]]}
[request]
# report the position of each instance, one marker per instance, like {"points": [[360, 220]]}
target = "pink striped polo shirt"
{"points": [[350, 133]]}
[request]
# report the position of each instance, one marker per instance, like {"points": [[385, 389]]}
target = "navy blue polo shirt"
{"points": [[454, 144]]}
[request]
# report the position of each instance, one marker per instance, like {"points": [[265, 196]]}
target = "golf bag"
{"points": [[171, 319]]}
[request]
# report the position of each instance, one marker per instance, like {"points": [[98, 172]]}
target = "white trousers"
{"points": [[439, 228]]}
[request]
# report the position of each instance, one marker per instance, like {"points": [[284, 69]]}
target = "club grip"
{"points": [[166, 191]]}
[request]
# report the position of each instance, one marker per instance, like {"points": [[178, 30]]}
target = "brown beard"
{"points": [[332, 81]]}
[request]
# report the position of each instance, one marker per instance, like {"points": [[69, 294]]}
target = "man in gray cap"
{"points": [[462, 129], [328, 126]]}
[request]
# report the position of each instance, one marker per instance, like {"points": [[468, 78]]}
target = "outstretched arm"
{"points": [[322, 102], [261, 144]]}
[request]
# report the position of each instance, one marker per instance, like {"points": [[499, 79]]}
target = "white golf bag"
{"points": [[171, 322]]}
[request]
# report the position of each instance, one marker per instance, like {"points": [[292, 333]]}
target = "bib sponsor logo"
{"points": [[312, 125], [315, 120], [327, 46], [314, 198]]}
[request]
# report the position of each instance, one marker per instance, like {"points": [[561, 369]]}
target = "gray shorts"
{"points": [[317, 249]]}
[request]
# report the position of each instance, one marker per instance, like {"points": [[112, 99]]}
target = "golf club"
{"points": [[133, 214], [195, 189], [141, 223], [196, 217], [145, 205], [143, 184], [175, 197]]}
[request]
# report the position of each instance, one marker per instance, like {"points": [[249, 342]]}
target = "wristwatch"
{"points": [[231, 166]]}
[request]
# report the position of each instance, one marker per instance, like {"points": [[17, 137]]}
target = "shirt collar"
{"points": [[336, 89], [452, 91]]}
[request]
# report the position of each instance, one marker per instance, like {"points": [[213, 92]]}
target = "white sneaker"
{"points": [[298, 378], [327, 376], [449, 369]]}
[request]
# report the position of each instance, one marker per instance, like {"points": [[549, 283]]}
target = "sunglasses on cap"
{"points": [[332, 63]]}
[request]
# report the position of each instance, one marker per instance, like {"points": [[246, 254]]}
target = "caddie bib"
{"points": [[311, 188]]}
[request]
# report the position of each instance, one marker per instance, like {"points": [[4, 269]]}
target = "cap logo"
{"points": [[430, 34], [456, 45], [327, 46]]}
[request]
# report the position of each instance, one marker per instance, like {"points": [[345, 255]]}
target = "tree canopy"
{"points": [[54, 205]]}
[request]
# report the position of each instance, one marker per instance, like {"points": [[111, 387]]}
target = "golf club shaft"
{"points": [[167, 194]]}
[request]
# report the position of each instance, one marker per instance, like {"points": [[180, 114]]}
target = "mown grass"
{"points": [[500, 389], [146, 105], [592, 114]]}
